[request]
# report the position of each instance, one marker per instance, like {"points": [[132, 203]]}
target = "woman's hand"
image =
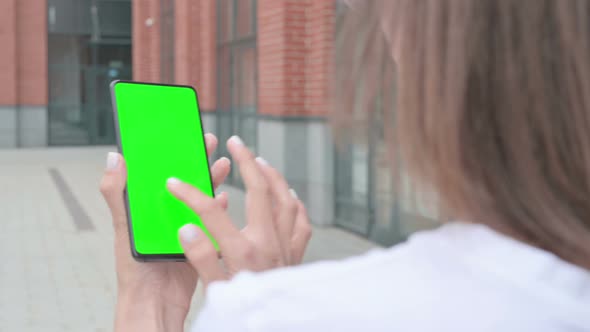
{"points": [[277, 230], [151, 296]]}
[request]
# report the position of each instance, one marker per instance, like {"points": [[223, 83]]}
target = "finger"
{"points": [[258, 203], [112, 187], [210, 143], [301, 234], [285, 206], [258, 199], [222, 199], [210, 210], [201, 254], [219, 171]]}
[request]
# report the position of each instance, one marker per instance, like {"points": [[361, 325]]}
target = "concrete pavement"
{"points": [[56, 241]]}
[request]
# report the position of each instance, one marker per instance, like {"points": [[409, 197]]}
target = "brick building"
{"points": [[262, 69], [23, 73]]}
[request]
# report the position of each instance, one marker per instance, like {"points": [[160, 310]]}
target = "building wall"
{"points": [[294, 44], [23, 73], [319, 61], [146, 40], [32, 52], [194, 45], [8, 55], [294, 40], [8, 80]]}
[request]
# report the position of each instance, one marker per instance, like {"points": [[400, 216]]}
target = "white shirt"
{"points": [[460, 277]]}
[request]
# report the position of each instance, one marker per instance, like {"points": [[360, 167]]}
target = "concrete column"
{"points": [[209, 122], [295, 52], [301, 148], [320, 166], [32, 126], [295, 47], [8, 134]]}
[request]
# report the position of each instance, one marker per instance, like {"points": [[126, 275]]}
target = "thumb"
{"points": [[112, 187], [200, 253]]}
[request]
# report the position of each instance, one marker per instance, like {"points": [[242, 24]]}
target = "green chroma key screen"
{"points": [[160, 136]]}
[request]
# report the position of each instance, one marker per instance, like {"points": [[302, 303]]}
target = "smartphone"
{"points": [[160, 135]]}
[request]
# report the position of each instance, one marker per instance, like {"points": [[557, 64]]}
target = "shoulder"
{"points": [[375, 266], [293, 299], [460, 276]]}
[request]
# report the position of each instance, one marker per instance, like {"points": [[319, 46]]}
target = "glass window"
{"points": [[370, 198], [89, 45], [237, 80]]}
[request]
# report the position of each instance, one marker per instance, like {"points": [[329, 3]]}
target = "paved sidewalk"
{"points": [[57, 271]]}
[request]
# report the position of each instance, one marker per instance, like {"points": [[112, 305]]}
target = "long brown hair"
{"points": [[492, 108]]}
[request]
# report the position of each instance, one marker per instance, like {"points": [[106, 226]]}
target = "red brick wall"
{"points": [[23, 60], [319, 62], [186, 43], [146, 40], [32, 52], [295, 57], [194, 45], [295, 42], [272, 55], [207, 79], [8, 54]]}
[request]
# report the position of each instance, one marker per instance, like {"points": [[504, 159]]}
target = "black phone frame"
{"points": [[137, 255]]}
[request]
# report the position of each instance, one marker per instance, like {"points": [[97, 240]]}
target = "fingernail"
{"points": [[211, 137], [236, 140], [112, 160], [293, 193], [261, 161], [189, 233], [226, 159], [173, 181]]}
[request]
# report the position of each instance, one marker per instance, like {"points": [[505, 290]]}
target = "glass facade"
{"points": [[373, 201], [370, 199], [89, 45], [237, 73]]}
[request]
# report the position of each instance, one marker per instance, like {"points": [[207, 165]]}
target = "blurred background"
{"points": [[263, 70]]}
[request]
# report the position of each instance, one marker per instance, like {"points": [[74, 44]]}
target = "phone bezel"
{"points": [[137, 255]]}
